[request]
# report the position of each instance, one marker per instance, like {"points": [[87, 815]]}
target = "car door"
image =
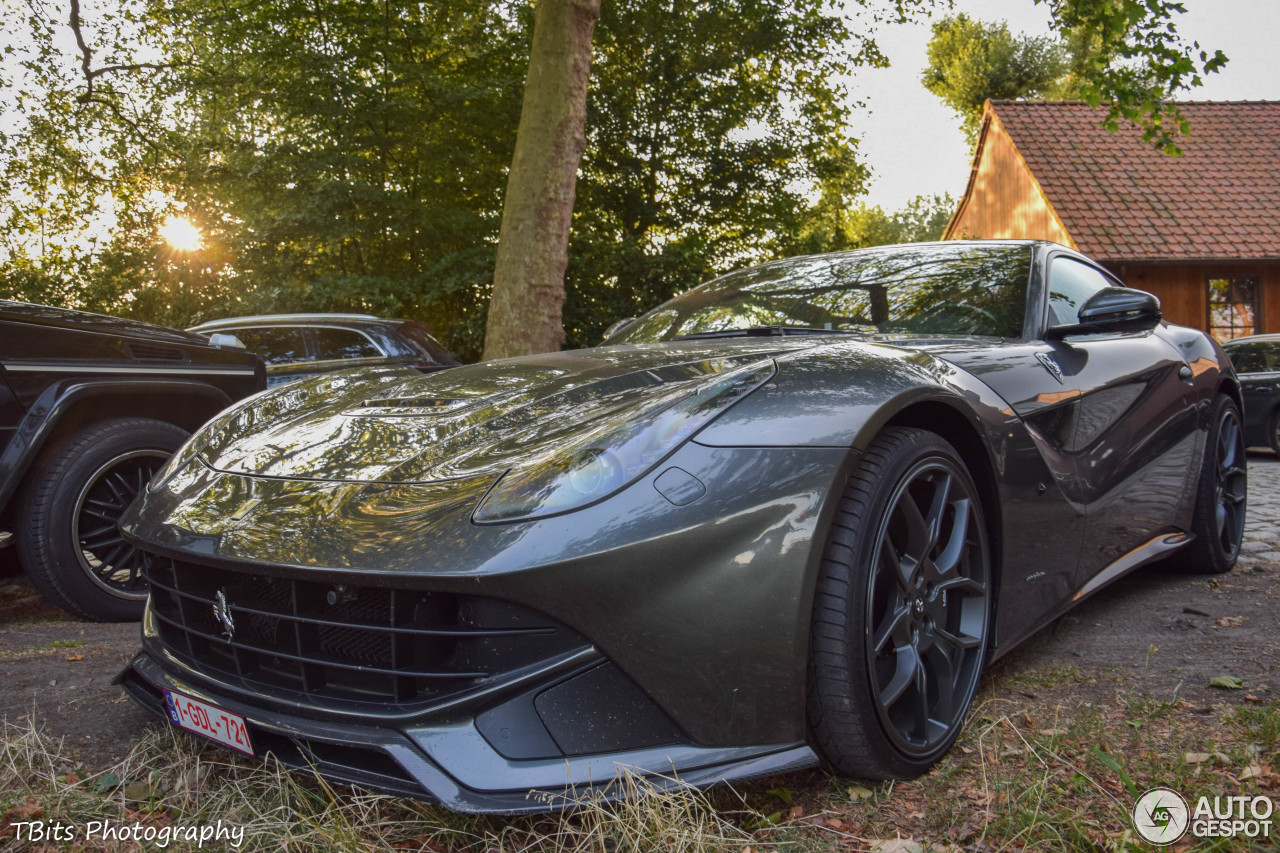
{"points": [[1136, 440], [335, 348], [1257, 364], [283, 350]]}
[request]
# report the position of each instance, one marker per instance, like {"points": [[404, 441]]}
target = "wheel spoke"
{"points": [[908, 661], [956, 640], [945, 677], [921, 705], [962, 585], [937, 510], [95, 547], [949, 559], [891, 629], [902, 570], [918, 543]]}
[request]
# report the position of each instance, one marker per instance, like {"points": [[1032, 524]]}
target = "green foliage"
{"points": [[346, 155], [1127, 54], [829, 228], [971, 61], [708, 126], [1124, 54]]}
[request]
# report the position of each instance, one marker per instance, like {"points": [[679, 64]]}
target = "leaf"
{"points": [[1226, 682], [781, 793], [1197, 757], [1254, 771], [1115, 767], [857, 792], [106, 782], [75, 658]]}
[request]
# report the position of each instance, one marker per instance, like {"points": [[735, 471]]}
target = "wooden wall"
{"points": [[1182, 288], [1003, 200]]}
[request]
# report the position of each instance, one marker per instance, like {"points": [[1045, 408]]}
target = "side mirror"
{"points": [[1114, 309], [224, 339], [617, 327]]}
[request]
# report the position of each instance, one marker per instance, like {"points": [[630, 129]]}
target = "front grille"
{"points": [[345, 643]]}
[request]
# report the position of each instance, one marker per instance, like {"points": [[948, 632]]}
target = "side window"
{"points": [[1071, 283], [332, 344], [276, 344], [1247, 358], [1262, 357]]}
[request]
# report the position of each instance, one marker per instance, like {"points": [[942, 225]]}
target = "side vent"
{"points": [[154, 352]]}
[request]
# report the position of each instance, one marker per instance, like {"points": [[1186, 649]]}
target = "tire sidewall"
{"points": [[886, 760], [48, 545]]}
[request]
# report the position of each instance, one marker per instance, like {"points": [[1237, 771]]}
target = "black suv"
{"points": [[299, 345], [1257, 362], [90, 408]]}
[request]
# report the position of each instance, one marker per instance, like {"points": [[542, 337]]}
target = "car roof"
{"points": [[294, 319], [1249, 339]]}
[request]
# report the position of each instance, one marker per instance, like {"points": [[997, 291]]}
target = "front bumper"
{"points": [[449, 760]]}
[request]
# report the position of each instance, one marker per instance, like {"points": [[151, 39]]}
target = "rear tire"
{"points": [[1221, 495], [1273, 432], [901, 612], [69, 540]]}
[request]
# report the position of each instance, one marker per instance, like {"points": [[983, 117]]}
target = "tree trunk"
{"points": [[533, 245]]}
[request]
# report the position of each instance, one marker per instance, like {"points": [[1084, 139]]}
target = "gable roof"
{"points": [[1121, 199]]}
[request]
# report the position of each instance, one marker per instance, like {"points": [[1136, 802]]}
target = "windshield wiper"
{"points": [[760, 331]]}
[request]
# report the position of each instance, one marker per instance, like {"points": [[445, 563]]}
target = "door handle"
{"points": [[1185, 374]]}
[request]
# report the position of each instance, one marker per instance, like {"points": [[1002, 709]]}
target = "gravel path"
{"points": [[1262, 520]]}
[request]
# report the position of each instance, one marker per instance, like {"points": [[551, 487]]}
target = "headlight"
{"points": [[599, 464]]}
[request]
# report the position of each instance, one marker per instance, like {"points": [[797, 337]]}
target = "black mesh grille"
{"points": [[344, 643]]}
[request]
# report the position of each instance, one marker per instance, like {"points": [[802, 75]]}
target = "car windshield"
{"points": [[946, 289]]}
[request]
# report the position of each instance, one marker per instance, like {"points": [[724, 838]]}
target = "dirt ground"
{"points": [[60, 670]]}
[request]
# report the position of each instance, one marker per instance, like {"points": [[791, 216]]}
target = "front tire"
{"points": [[1221, 495], [901, 612], [1273, 432], [69, 540]]}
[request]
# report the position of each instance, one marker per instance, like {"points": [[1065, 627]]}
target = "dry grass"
{"points": [[1053, 776]]}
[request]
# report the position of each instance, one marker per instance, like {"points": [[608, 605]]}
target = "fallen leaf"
{"points": [[1254, 771], [1226, 682], [106, 782], [74, 658], [1198, 757], [795, 813], [835, 823], [857, 792], [1231, 621], [896, 845]]}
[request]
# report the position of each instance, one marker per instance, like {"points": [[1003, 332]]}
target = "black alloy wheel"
{"points": [[1230, 482], [927, 607], [902, 610], [108, 560], [72, 501], [1221, 495]]}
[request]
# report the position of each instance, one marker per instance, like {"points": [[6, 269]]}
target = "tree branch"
{"points": [[86, 58]]}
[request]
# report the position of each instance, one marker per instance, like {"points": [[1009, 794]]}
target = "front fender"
{"points": [[53, 404]]}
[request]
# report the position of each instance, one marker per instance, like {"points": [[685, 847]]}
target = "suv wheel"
{"points": [[70, 541]]}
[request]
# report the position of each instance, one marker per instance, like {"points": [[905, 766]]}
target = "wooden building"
{"points": [[1201, 231]]}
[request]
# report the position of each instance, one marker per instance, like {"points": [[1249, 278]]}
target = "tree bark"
{"points": [[533, 243]]}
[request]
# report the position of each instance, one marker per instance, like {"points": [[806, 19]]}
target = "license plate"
{"points": [[208, 720]]}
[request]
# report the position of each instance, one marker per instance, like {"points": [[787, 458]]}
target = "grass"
{"points": [[1060, 774]]}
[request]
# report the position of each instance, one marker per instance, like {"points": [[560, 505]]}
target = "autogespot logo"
{"points": [[1161, 816]]}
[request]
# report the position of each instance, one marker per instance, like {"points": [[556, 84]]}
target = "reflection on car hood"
{"points": [[398, 425]]}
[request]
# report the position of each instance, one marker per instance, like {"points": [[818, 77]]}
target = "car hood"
{"points": [[395, 425], [66, 318]]}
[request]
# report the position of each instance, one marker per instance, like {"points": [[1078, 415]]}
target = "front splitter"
{"points": [[453, 764]]}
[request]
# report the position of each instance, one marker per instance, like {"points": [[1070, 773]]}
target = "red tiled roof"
{"points": [[1120, 198]]}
